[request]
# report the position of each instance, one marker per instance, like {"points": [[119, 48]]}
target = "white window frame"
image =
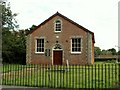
{"points": [[78, 52], [36, 45], [55, 25]]}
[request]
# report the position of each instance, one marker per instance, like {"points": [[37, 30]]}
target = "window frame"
{"points": [[36, 45], [76, 52], [60, 25]]}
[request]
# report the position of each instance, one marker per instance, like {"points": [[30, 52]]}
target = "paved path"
{"points": [[37, 88], [28, 88]]}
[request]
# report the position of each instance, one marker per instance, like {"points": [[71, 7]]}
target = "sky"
{"points": [[98, 16]]}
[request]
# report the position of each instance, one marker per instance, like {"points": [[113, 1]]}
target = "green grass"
{"points": [[94, 76]]}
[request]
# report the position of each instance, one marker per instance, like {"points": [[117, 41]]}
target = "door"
{"points": [[57, 57]]}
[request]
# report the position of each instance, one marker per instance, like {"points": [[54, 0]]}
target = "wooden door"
{"points": [[57, 57]]}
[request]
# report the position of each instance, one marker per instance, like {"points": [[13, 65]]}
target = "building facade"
{"points": [[59, 40]]}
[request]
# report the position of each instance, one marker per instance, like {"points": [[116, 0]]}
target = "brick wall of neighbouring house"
{"points": [[68, 30]]}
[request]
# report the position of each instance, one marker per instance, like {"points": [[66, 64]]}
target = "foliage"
{"points": [[14, 48], [13, 42], [97, 51], [8, 18], [32, 27], [119, 52], [110, 51], [106, 52], [113, 51]]}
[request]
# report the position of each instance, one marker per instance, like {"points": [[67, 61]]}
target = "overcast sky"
{"points": [[99, 16]]}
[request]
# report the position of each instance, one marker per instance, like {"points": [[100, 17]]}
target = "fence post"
{"points": [[67, 66], [119, 74], [49, 83]]}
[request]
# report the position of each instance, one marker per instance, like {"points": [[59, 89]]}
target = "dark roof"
{"points": [[58, 14]]}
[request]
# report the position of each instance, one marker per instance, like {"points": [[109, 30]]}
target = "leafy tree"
{"points": [[19, 46], [32, 27], [113, 51], [13, 42], [14, 48], [97, 51], [106, 52], [118, 52], [103, 52], [8, 18]]}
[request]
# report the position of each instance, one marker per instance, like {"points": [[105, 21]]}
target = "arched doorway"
{"points": [[57, 54]]}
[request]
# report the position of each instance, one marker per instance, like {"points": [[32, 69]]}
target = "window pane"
{"points": [[57, 21], [38, 41], [42, 49], [38, 49], [73, 45], [75, 40], [58, 24], [42, 45], [72, 41], [73, 50], [79, 45], [79, 40], [76, 45], [58, 29], [79, 49]]}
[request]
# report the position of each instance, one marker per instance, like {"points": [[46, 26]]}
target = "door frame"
{"points": [[53, 54], [58, 49]]}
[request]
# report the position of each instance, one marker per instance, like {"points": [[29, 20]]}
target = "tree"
{"points": [[113, 51], [14, 47], [19, 47], [106, 52], [8, 18], [32, 27], [118, 52], [13, 42], [97, 51]]}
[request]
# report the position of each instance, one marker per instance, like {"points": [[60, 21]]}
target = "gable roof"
{"points": [[74, 23]]}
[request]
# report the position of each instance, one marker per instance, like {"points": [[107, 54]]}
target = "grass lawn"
{"points": [[93, 76]]}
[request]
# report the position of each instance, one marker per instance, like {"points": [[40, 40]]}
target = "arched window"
{"points": [[58, 26]]}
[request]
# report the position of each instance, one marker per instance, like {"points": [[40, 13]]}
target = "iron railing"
{"points": [[72, 76]]}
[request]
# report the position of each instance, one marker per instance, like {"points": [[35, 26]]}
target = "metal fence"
{"points": [[73, 76]]}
